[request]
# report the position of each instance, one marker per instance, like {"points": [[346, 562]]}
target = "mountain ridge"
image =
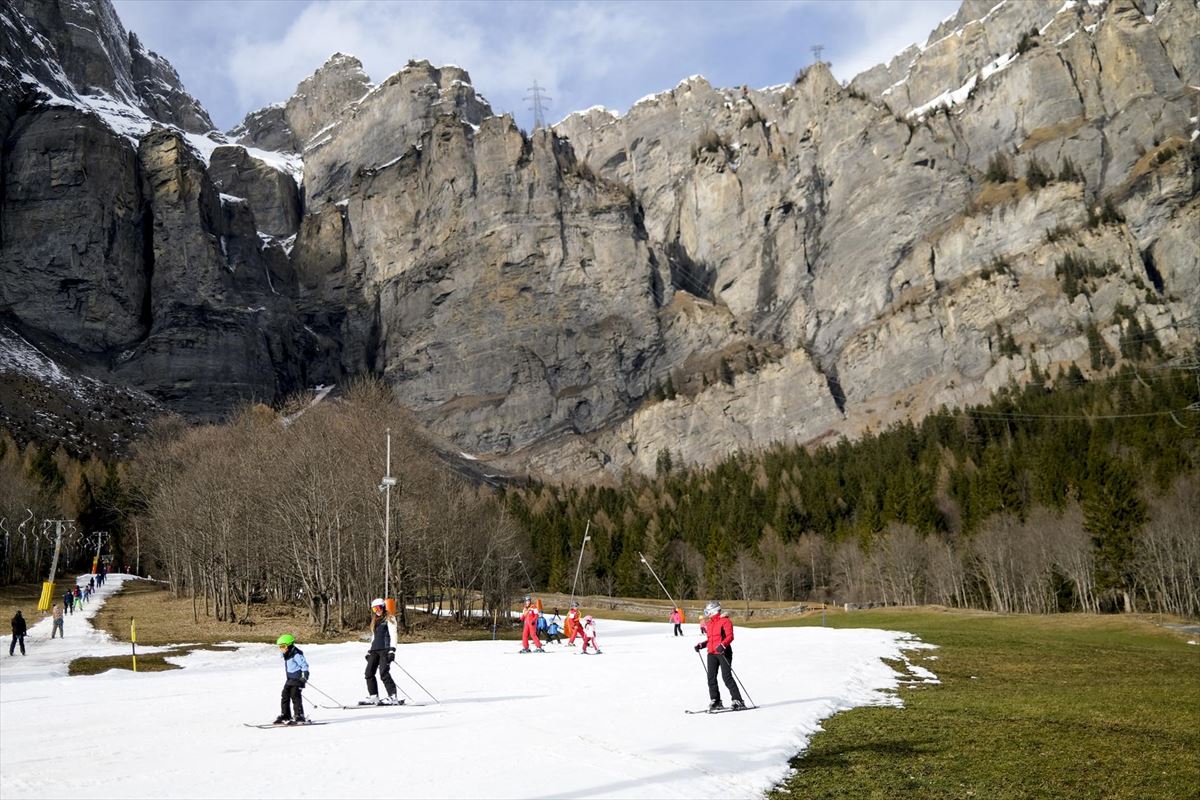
{"points": [[799, 262]]}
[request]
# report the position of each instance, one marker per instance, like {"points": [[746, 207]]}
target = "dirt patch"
{"points": [[149, 662]]}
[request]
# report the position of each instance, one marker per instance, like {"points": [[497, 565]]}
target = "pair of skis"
{"points": [[333, 708], [721, 710]]}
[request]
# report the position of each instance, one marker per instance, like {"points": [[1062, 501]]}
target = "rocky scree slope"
{"points": [[715, 269]]}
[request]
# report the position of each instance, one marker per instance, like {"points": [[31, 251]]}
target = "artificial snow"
{"points": [[508, 725]]}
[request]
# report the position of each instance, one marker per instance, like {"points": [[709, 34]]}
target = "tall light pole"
{"points": [[386, 487], [579, 564]]}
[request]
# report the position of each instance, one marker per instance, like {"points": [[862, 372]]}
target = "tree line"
{"points": [[252, 510], [1065, 494]]}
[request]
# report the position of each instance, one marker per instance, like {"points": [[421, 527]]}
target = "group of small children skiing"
{"points": [[533, 621], [717, 630]]}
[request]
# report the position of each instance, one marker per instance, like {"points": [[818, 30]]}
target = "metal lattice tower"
{"points": [[540, 100], [817, 50]]}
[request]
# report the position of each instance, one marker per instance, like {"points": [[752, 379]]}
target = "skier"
{"points": [[380, 657], [78, 599], [719, 641], [554, 629], [18, 630], [677, 621], [57, 613], [572, 624], [296, 666], [529, 618], [589, 635], [68, 602]]}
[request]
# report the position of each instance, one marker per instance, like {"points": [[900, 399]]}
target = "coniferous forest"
{"points": [[1067, 494]]}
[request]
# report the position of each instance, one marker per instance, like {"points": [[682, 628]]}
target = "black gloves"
{"points": [[700, 646], [367, 656], [721, 649], [391, 655]]}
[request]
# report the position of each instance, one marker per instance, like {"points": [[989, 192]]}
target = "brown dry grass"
{"points": [[1049, 133], [163, 619], [998, 194]]}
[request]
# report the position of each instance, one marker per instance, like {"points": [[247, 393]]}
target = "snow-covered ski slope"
{"points": [[509, 725]]}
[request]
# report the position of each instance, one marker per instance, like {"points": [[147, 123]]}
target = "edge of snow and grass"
{"points": [[1068, 705]]}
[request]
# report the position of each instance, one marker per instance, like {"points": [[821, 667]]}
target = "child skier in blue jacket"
{"points": [[296, 666]]}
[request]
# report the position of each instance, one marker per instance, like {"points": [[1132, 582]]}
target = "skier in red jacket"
{"points": [[573, 624], [529, 616], [719, 641]]}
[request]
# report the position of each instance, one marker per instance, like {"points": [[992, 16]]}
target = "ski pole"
{"points": [[417, 682], [310, 685], [736, 678]]}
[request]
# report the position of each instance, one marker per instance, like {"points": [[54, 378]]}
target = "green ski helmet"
{"points": [[287, 640]]}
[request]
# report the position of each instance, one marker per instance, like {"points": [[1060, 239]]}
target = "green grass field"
{"points": [[1065, 706]]}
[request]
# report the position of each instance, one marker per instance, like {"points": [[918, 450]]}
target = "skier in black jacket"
{"points": [[380, 657], [18, 629]]}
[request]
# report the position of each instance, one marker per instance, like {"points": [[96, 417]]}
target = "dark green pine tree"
{"points": [[1113, 512]]}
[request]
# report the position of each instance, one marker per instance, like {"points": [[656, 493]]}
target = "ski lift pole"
{"points": [[385, 486], [579, 564], [99, 543], [133, 640], [48, 586], [660, 583]]}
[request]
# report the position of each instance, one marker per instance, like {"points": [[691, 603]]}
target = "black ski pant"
{"points": [[291, 696], [678, 629], [17, 637], [378, 660], [723, 662]]}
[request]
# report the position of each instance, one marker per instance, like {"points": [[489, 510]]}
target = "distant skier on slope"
{"points": [[572, 624], [296, 667], [19, 628], [677, 620], [380, 657], [529, 620], [589, 635], [719, 641]]}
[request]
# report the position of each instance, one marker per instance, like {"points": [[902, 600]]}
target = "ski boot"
{"points": [[391, 700], [737, 705], [524, 650], [282, 720], [372, 700], [539, 650], [715, 705], [300, 720]]}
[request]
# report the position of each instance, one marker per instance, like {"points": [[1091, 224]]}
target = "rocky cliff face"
{"points": [[116, 242], [715, 269]]}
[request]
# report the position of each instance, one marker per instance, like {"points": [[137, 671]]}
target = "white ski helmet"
{"points": [[588, 620], [378, 603], [712, 609], [528, 600], [575, 604]]}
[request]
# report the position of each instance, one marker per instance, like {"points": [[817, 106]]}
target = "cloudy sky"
{"points": [[239, 55]]}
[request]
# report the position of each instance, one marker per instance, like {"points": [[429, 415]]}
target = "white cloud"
{"points": [[885, 29], [585, 42]]}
